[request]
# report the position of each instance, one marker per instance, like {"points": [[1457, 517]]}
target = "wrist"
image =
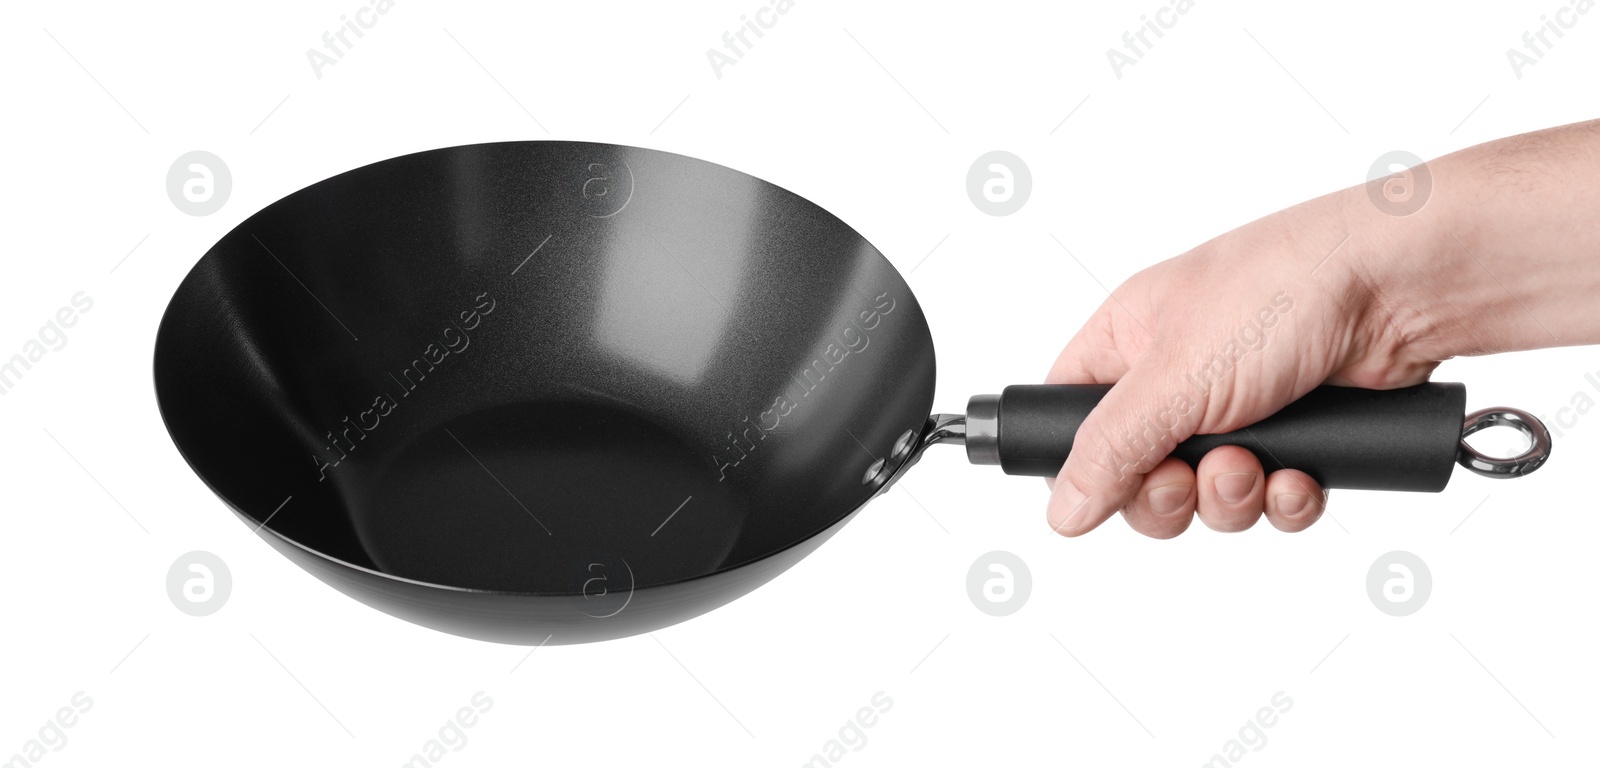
{"points": [[1418, 267], [1504, 246]]}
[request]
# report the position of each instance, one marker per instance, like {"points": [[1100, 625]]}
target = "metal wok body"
{"points": [[543, 391]]}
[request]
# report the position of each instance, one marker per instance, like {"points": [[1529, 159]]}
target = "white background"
{"points": [[1129, 652]]}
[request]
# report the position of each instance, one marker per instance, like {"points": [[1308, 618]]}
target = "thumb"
{"points": [[1139, 421]]}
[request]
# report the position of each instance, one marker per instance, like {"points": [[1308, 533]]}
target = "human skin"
{"points": [[1503, 256]]}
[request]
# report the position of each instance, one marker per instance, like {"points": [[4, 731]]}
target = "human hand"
{"points": [[1337, 290], [1218, 339]]}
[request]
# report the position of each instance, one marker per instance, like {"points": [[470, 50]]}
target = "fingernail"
{"points": [[1168, 499], [1290, 504], [1067, 505], [1235, 486]]}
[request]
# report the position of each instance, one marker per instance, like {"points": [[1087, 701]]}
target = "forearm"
{"points": [[1505, 254]]}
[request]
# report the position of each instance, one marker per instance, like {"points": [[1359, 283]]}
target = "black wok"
{"points": [[559, 392]]}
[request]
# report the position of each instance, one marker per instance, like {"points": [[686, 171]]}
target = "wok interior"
{"points": [[488, 367]]}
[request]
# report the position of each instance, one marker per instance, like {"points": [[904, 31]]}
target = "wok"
{"points": [[555, 392]]}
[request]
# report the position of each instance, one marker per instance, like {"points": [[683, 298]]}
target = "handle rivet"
{"points": [[902, 447], [874, 472]]}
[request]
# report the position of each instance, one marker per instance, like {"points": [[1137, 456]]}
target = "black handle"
{"points": [[1390, 440]]}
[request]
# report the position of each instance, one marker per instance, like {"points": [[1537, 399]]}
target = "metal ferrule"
{"points": [[983, 429]]}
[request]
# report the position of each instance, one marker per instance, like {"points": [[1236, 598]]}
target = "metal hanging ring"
{"points": [[1515, 466]]}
